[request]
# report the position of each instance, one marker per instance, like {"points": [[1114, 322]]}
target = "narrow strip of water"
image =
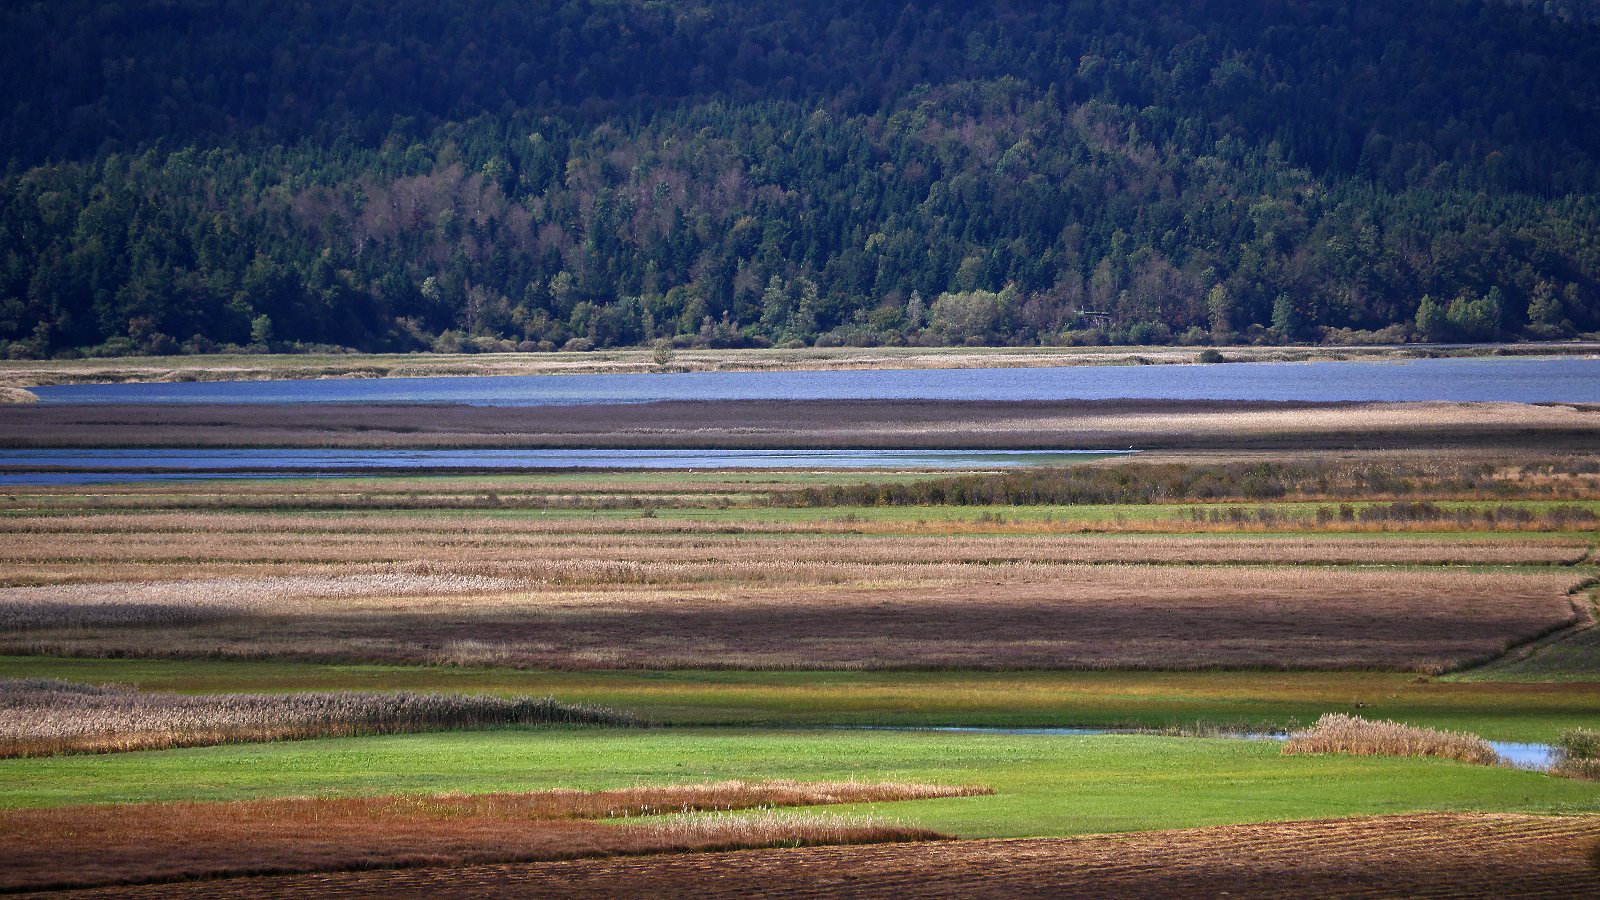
{"points": [[1533, 757]]}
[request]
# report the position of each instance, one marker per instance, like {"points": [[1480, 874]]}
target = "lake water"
{"points": [[1533, 757], [19, 467], [1522, 380]]}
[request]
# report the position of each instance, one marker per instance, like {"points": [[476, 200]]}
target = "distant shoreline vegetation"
{"points": [[469, 175]]}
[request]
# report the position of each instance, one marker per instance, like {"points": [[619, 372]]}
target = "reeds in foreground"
{"points": [[1339, 733], [778, 828], [40, 716]]}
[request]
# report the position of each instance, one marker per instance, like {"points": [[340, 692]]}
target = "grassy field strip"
{"points": [[1256, 700], [195, 539], [502, 505], [1568, 655], [1044, 785], [249, 367]]}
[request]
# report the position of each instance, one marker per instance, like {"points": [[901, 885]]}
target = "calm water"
{"points": [[1534, 757], [1523, 380], [96, 466]]}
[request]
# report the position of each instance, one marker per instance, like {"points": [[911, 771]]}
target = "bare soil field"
{"points": [[84, 846], [1433, 855], [891, 424]]}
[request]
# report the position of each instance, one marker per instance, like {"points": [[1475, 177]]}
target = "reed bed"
{"points": [[181, 602], [41, 717], [755, 591], [270, 543], [1138, 483], [1339, 733], [1578, 754], [83, 846]]}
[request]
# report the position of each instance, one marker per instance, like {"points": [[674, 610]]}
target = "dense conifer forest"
{"points": [[186, 175]]}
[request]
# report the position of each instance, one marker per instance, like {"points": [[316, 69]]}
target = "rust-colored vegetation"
{"points": [[1431, 855], [40, 717], [83, 846], [1340, 733]]}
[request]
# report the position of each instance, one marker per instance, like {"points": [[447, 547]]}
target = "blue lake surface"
{"points": [[1521, 380], [118, 465]]}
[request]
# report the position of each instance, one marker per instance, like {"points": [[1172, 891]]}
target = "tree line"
{"points": [[189, 175]]}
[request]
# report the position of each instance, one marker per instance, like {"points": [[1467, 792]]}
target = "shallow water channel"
{"points": [[21, 467], [1533, 757], [1480, 379]]}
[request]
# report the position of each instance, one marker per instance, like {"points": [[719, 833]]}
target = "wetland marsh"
{"points": [[1259, 566]]}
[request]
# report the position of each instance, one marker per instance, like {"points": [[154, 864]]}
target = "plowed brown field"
{"points": [[1439, 855], [78, 846]]}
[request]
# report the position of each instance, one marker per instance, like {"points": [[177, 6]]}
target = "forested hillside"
{"points": [[487, 174]]}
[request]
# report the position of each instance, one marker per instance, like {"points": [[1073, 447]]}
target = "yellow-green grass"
{"points": [[256, 366], [1269, 700], [1178, 517], [1045, 785]]}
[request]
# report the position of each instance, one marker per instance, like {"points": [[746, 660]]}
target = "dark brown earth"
{"points": [[1436, 855], [891, 424], [124, 844]]}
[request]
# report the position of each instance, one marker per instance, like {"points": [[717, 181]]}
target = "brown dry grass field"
{"points": [[892, 424], [83, 846], [41, 717], [593, 614], [648, 593], [1431, 855], [58, 549]]}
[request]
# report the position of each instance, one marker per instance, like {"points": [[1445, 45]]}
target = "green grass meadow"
{"points": [[1045, 785], [1259, 700]]}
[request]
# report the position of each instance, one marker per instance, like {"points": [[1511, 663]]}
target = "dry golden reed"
{"points": [[39, 717], [1339, 733]]}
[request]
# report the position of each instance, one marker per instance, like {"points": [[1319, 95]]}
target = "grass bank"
{"points": [[1497, 710], [256, 366]]}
